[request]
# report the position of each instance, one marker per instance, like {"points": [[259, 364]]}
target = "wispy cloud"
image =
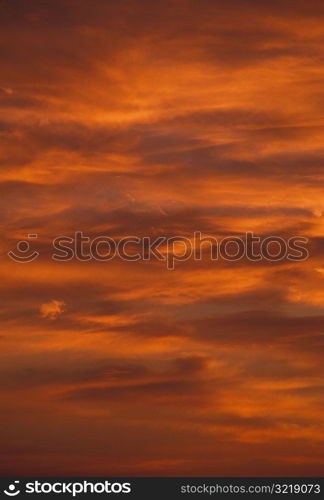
{"points": [[148, 118]]}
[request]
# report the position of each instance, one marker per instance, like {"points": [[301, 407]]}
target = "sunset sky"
{"points": [[149, 118]]}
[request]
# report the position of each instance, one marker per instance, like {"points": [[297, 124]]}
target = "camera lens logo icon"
{"points": [[12, 489], [23, 252]]}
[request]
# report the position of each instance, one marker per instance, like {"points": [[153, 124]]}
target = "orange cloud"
{"points": [[161, 118]]}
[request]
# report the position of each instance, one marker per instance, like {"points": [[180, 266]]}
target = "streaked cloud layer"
{"points": [[148, 118]]}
